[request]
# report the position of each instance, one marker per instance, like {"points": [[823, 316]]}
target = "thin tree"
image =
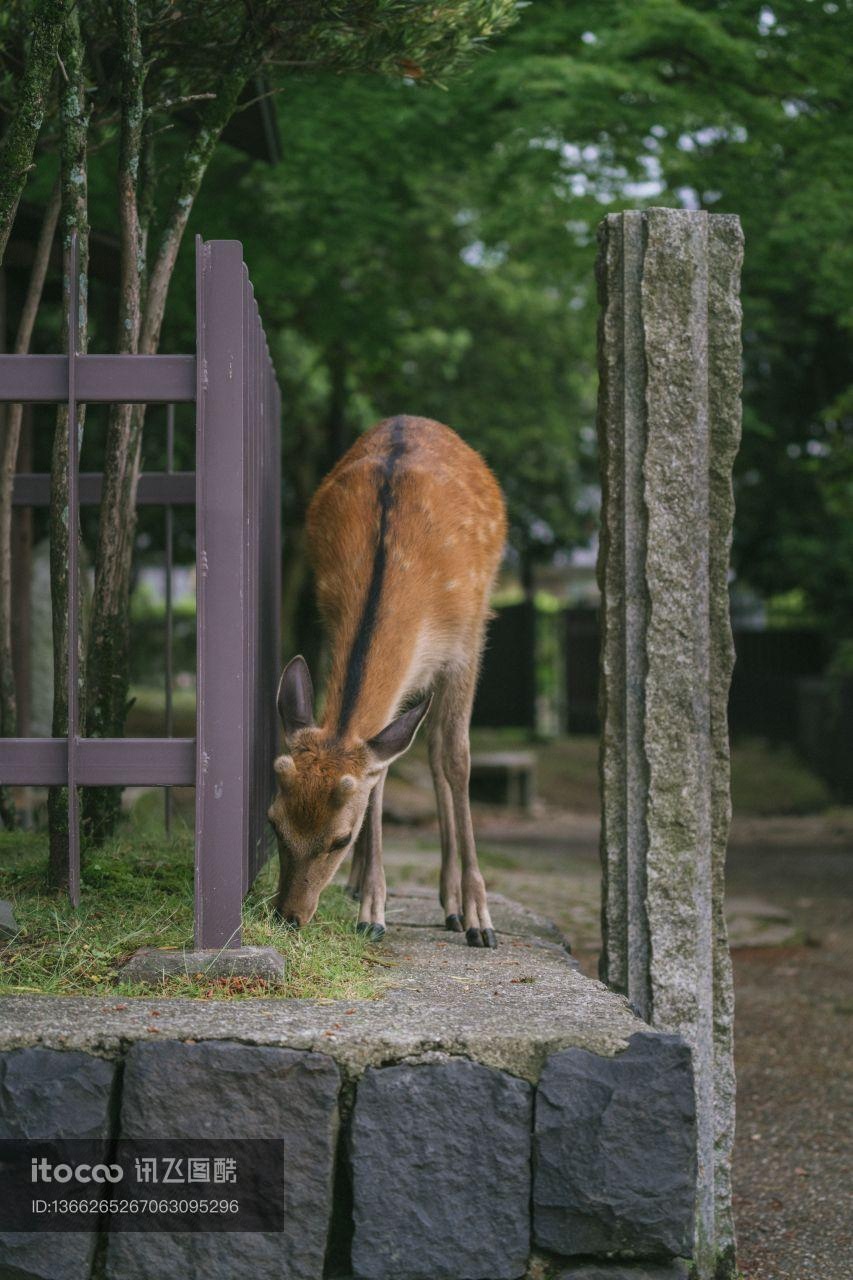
{"points": [[74, 217], [9, 445]]}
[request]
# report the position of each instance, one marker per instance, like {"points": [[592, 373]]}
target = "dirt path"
{"points": [[792, 880]]}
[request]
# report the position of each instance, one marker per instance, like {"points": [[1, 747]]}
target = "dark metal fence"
{"points": [[763, 697], [236, 490], [777, 692], [506, 692]]}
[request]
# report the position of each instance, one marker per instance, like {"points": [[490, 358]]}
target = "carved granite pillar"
{"points": [[669, 427]]}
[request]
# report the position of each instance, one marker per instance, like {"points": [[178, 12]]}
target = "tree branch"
{"points": [[19, 141]]}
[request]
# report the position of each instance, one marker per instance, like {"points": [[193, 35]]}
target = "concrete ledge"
{"points": [[153, 964], [509, 1008]]}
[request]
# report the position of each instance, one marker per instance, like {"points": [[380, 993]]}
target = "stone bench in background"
{"points": [[504, 777], [488, 1107]]}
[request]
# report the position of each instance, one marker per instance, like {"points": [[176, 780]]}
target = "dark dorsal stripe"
{"points": [[370, 613]]}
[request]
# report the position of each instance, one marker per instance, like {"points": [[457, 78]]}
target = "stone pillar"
{"points": [[669, 426]]}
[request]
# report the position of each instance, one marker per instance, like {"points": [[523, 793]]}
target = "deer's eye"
{"points": [[340, 843]]}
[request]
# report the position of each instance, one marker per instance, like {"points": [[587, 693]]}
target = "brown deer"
{"points": [[405, 537]]}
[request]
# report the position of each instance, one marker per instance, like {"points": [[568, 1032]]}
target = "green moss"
{"points": [[138, 891]]}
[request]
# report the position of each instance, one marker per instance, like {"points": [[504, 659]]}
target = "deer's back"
{"points": [[405, 536]]}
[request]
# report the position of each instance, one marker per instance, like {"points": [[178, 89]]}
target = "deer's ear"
{"points": [[295, 698], [398, 736]]}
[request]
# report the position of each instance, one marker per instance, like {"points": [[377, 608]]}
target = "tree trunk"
{"points": [[108, 640], [19, 141], [8, 456], [22, 569], [107, 672], [74, 217]]}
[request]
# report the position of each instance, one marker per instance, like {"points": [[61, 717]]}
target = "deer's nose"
{"points": [[292, 922]]}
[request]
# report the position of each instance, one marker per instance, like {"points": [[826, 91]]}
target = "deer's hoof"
{"points": [[372, 932], [453, 924], [481, 938]]}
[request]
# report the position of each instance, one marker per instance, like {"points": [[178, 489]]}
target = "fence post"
{"points": [[222, 728], [73, 583], [669, 426]]}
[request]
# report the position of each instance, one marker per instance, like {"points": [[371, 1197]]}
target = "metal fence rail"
{"points": [[237, 495]]}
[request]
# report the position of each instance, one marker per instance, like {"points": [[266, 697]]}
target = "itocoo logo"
{"points": [[42, 1170]]}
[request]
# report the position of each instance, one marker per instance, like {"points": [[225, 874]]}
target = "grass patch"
{"points": [[146, 718], [771, 779], [138, 891], [500, 860], [767, 778]]}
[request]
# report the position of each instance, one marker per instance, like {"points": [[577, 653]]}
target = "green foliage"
{"points": [[432, 251], [137, 892], [427, 243]]}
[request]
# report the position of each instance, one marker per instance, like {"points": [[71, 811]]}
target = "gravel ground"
{"points": [[794, 1023], [793, 1049]]}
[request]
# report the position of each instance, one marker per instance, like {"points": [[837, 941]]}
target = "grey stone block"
{"points": [[614, 1151], [8, 923], [222, 1089], [440, 1157], [677, 1270], [152, 964], [45, 1093]]}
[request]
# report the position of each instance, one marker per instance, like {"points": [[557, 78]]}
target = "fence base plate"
{"points": [[152, 964]]}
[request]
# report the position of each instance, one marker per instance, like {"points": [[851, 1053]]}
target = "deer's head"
{"points": [[324, 786]]}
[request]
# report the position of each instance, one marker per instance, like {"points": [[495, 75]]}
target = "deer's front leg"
{"points": [[371, 914]]}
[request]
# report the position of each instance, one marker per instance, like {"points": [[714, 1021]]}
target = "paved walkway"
{"points": [[791, 908]]}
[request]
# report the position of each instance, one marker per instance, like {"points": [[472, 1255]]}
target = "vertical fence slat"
{"points": [[261, 772], [274, 551], [222, 729], [264, 763], [251, 548], [72, 668], [168, 673], [250, 570]]}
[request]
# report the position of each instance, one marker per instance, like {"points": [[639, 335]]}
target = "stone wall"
{"points": [[438, 1169]]}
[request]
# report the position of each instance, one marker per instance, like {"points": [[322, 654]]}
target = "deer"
{"points": [[405, 537]]}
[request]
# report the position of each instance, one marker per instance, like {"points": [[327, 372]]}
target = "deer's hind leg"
{"points": [[359, 856], [450, 756], [371, 913], [450, 890]]}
